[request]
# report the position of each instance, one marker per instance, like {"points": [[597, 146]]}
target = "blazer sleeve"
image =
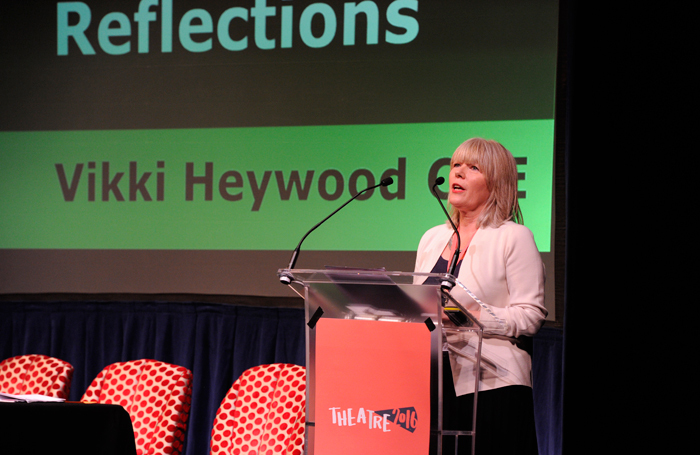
{"points": [[524, 312]]}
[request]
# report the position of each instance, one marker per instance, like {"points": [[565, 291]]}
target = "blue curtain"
{"points": [[547, 389], [217, 342]]}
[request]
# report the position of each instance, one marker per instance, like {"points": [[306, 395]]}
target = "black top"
{"points": [[441, 267]]}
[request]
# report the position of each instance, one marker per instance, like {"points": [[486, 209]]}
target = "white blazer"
{"points": [[504, 269]]}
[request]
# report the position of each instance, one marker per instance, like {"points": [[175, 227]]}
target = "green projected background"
{"points": [[249, 188]]}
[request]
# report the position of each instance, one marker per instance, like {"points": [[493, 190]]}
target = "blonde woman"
{"points": [[501, 265]]}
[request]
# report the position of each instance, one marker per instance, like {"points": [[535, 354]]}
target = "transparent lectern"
{"points": [[386, 300]]}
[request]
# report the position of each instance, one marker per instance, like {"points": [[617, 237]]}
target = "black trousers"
{"points": [[505, 421]]}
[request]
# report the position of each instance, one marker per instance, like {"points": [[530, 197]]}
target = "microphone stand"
{"points": [[286, 277], [448, 283]]}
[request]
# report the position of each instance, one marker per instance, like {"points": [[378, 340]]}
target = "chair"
{"points": [[263, 412], [157, 396], [36, 374]]}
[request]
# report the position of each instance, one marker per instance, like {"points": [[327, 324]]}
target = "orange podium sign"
{"points": [[372, 387]]}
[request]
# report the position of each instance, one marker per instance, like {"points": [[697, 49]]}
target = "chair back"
{"points": [[36, 374], [157, 396], [263, 412]]}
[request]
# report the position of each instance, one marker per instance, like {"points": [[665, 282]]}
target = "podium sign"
{"points": [[373, 392]]}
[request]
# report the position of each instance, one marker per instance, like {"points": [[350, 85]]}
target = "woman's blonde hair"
{"points": [[498, 166]]}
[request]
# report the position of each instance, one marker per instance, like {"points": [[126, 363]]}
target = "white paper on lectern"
{"points": [[31, 398]]}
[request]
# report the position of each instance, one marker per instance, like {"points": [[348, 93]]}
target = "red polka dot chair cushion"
{"points": [[36, 374], [263, 413], [156, 395]]}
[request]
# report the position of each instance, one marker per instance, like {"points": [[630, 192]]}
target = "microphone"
{"points": [[285, 277], [448, 284]]}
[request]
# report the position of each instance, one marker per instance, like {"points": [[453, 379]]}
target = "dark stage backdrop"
{"points": [[217, 342]]}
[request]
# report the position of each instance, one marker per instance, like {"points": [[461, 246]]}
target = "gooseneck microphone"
{"points": [[286, 278], [448, 284]]}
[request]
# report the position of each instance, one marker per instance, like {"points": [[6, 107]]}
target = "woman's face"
{"points": [[468, 189]]}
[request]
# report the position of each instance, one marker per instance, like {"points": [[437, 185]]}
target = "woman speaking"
{"points": [[499, 263]]}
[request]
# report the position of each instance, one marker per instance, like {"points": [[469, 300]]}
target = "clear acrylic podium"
{"points": [[400, 297]]}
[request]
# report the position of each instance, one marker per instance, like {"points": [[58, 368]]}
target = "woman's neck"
{"points": [[466, 234]]}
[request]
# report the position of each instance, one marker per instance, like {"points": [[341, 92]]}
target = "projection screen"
{"points": [[171, 146]]}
